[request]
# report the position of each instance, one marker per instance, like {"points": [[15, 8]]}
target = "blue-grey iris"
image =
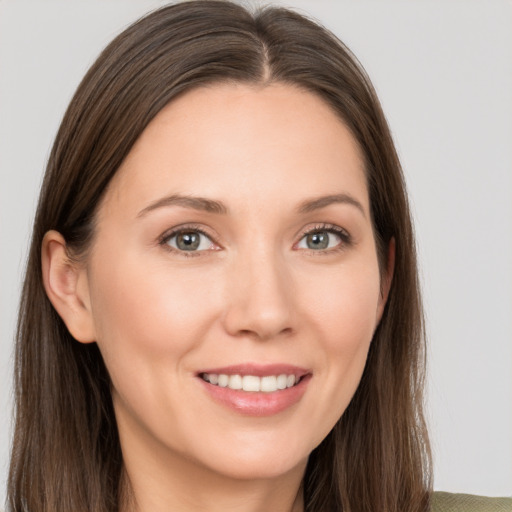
{"points": [[318, 240], [188, 240]]}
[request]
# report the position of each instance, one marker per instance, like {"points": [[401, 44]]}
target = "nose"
{"points": [[259, 297]]}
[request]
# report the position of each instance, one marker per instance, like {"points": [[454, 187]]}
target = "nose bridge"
{"points": [[260, 293]]}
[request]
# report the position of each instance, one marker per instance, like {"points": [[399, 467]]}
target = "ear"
{"points": [[386, 279], [66, 285]]}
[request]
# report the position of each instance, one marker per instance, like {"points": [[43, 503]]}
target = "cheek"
{"points": [[345, 304], [149, 325], [146, 315], [345, 317]]}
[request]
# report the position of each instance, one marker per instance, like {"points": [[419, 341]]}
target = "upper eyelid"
{"points": [[324, 227], [163, 240], [166, 235]]}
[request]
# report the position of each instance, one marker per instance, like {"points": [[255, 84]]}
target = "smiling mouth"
{"points": [[255, 389], [252, 383]]}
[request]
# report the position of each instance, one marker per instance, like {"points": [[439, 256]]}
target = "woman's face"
{"points": [[234, 247]]}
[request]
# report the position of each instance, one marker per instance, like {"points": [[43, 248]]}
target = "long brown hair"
{"points": [[66, 454]]}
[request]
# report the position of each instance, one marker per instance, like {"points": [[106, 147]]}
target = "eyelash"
{"points": [[346, 239], [164, 239]]}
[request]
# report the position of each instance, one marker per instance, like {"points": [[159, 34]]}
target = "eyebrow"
{"points": [[196, 203], [212, 206], [321, 202]]}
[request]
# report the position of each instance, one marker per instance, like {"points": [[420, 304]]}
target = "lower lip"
{"points": [[257, 403]]}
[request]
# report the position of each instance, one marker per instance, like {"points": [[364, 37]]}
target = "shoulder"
{"points": [[448, 502]]}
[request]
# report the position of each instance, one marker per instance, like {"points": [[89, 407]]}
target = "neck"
{"points": [[184, 487], [157, 479]]}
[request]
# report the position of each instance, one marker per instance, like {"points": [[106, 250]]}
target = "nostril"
{"points": [[263, 335]]}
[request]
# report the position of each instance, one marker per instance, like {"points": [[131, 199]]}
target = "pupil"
{"points": [[318, 240], [187, 241]]}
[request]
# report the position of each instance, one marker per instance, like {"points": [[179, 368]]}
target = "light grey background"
{"points": [[443, 71]]}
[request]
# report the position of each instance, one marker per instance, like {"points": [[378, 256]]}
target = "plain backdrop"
{"points": [[443, 71]]}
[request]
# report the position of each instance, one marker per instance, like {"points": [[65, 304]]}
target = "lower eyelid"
{"points": [[342, 241], [210, 242]]}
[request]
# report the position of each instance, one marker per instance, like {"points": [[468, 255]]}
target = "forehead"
{"points": [[242, 143]]}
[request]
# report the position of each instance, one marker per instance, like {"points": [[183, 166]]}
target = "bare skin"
{"points": [[277, 267]]}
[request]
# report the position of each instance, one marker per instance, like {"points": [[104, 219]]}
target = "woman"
{"points": [[221, 307]]}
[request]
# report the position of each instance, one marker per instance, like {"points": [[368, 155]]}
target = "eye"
{"points": [[320, 239], [189, 240]]}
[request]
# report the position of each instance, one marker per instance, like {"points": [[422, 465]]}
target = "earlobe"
{"points": [[387, 278], [66, 285]]}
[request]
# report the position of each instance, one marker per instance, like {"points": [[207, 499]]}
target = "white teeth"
{"points": [[269, 384], [281, 381], [251, 383], [223, 380], [235, 382]]}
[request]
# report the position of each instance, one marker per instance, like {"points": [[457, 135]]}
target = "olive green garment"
{"points": [[447, 502]]}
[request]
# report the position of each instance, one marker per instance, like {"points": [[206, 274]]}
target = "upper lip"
{"points": [[258, 370]]}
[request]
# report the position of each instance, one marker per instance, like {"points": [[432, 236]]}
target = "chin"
{"points": [[258, 469], [258, 457]]}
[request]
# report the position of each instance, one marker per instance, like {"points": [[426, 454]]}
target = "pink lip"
{"points": [[258, 403], [258, 370]]}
